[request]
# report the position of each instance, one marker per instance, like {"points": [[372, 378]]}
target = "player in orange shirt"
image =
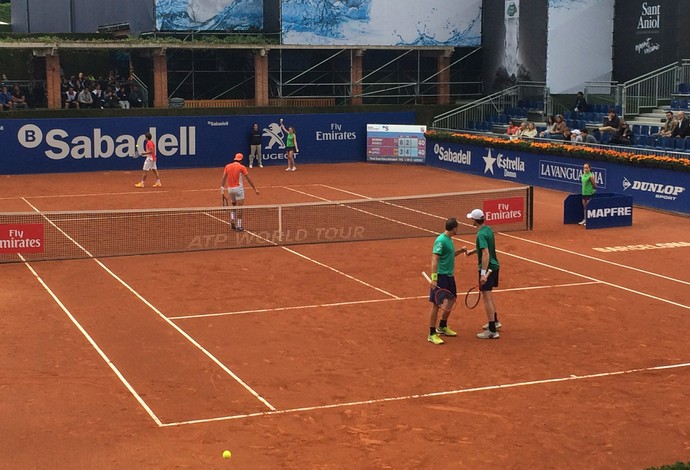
{"points": [[234, 174], [150, 163]]}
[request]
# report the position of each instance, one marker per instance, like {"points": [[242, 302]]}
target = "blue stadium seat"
{"points": [[636, 129], [680, 144], [654, 130], [675, 105], [683, 104], [683, 88], [644, 129]]}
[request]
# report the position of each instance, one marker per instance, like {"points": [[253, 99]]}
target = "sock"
{"points": [[443, 323], [492, 326], [496, 317], [432, 330], [239, 222]]}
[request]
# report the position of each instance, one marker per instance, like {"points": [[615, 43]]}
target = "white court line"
{"points": [[359, 302], [124, 193], [594, 258], [432, 394], [160, 314], [100, 352], [634, 291]]}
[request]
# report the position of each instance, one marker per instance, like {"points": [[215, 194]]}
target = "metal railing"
{"points": [[482, 109], [653, 88]]}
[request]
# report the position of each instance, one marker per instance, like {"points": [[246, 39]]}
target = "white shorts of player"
{"points": [[236, 194], [150, 164]]}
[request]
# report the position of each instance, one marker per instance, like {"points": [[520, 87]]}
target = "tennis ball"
{"points": [[227, 454]]}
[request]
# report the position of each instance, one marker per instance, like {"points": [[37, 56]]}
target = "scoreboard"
{"points": [[396, 143]]}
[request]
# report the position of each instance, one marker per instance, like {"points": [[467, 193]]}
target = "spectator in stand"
{"points": [[567, 134], [550, 127], [71, 98], [669, 126], [5, 99], [64, 88], [683, 129], [19, 98], [576, 136], [559, 129], [512, 128], [122, 97], [136, 99], [612, 123], [85, 99], [586, 137], [98, 96], [530, 132], [521, 130], [580, 105], [623, 136], [110, 101]]}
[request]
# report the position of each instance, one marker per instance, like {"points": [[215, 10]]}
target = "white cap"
{"points": [[576, 131], [476, 214]]}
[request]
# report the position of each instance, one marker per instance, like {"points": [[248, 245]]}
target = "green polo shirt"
{"points": [[444, 248], [485, 239]]}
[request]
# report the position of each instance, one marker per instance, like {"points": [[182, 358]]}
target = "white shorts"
{"points": [[236, 194], [150, 164]]}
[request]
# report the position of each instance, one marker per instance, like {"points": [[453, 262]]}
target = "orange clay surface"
{"points": [[315, 356]]}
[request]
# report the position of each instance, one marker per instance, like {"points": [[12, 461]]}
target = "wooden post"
{"points": [[356, 77], [160, 80], [444, 78], [261, 78], [53, 79]]}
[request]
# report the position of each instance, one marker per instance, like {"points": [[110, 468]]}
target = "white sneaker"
{"points": [[498, 326], [260, 165], [250, 165], [288, 169], [488, 335], [294, 168], [582, 222]]}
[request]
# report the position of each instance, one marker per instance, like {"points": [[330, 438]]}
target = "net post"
{"points": [[280, 224], [530, 207]]}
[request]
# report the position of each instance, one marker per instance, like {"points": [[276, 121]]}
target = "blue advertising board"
{"points": [[604, 210], [650, 187], [73, 145]]}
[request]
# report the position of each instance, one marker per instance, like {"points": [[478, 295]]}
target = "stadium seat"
{"points": [[636, 129], [653, 130], [679, 144], [683, 88], [683, 104], [675, 105], [644, 129]]}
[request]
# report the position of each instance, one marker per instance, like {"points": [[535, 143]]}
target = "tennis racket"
{"points": [[224, 200], [474, 295], [442, 297]]}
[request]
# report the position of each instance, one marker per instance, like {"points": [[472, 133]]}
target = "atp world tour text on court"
{"points": [[218, 240]]}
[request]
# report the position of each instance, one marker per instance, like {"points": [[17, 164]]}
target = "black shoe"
{"points": [[240, 229], [233, 226]]}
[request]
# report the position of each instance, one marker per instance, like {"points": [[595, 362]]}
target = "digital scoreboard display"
{"points": [[396, 143]]}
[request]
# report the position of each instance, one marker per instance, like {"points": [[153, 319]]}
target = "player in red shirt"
{"points": [[233, 175], [150, 163]]}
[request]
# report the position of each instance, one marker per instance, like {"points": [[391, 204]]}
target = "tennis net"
{"points": [[38, 236]]}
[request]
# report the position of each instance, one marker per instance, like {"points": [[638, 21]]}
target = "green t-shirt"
{"points": [[290, 142], [587, 186], [485, 239], [444, 248]]}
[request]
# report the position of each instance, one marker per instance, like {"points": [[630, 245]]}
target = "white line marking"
{"points": [[565, 270], [359, 302], [594, 258], [94, 345], [160, 314], [432, 394]]}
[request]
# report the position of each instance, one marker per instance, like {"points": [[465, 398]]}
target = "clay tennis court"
{"points": [[315, 356]]}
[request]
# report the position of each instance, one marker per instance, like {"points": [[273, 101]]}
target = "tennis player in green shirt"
{"points": [[589, 186], [442, 276], [485, 247]]}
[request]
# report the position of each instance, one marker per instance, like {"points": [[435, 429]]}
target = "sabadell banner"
{"points": [[661, 189], [73, 145]]}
